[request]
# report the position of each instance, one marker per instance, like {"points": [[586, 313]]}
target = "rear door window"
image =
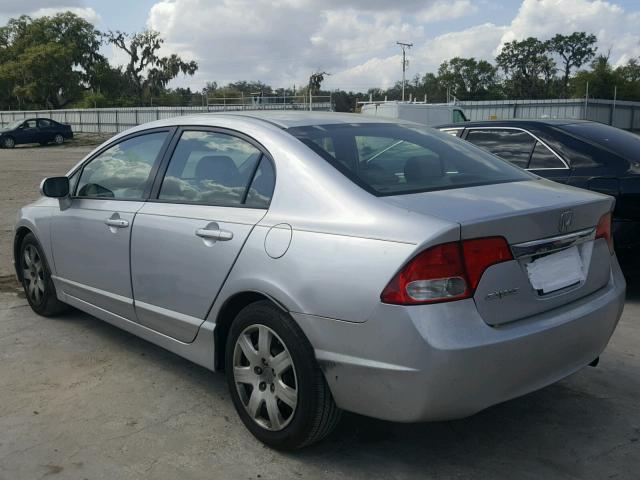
{"points": [[212, 168], [514, 146]]}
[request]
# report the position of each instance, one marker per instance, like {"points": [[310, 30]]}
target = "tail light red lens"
{"points": [[446, 272], [603, 230]]}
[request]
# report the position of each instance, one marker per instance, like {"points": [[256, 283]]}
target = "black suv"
{"points": [[584, 154]]}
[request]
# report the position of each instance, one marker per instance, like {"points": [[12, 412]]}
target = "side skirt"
{"points": [[200, 351]]}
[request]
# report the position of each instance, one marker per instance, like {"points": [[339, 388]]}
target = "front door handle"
{"points": [[214, 232], [116, 222]]}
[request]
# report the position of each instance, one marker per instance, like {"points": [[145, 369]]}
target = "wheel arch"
{"points": [[228, 312]]}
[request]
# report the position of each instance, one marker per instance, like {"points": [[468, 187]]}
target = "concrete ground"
{"points": [[80, 399]]}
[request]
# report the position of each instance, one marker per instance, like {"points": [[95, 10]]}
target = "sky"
{"points": [[281, 42]]}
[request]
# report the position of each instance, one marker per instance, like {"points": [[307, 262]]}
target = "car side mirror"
{"points": [[55, 187]]}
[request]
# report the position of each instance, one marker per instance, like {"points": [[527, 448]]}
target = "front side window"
{"points": [[514, 146], [210, 168], [122, 171], [29, 124], [392, 159]]}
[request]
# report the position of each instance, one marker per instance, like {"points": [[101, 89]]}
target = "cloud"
{"points": [[13, 7], [281, 42], [87, 13]]}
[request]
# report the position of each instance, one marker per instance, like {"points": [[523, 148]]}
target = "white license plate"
{"points": [[556, 271]]}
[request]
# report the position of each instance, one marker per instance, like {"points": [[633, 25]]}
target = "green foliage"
{"points": [[469, 79], [575, 50], [46, 62]]}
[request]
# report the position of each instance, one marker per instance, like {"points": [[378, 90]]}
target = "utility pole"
{"points": [[404, 47]]}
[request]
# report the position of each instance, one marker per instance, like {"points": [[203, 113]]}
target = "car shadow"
{"points": [[567, 430]]}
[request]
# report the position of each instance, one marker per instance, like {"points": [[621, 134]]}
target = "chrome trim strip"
{"points": [[552, 244], [566, 165], [96, 291]]}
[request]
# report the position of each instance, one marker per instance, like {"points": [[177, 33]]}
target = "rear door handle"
{"points": [[213, 232]]}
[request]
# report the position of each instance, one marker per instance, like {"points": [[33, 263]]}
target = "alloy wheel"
{"points": [[33, 273], [265, 377], [9, 142], [59, 139]]}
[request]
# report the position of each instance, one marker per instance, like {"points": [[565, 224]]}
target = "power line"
{"points": [[404, 47]]}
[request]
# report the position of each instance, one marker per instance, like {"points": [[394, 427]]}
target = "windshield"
{"points": [[625, 144], [14, 124], [392, 159]]}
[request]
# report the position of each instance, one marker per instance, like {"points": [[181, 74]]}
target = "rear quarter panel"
{"points": [[327, 275]]}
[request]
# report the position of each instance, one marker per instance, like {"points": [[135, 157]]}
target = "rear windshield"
{"points": [[393, 159], [620, 142]]}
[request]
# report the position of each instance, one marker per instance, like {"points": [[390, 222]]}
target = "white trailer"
{"points": [[430, 114]]}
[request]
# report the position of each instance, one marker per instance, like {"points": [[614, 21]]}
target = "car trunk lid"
{"points": [[538, 219]]}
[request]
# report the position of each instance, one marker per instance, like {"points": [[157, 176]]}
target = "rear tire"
{"points": [[258, 382], [36, 279], [58, 139]]}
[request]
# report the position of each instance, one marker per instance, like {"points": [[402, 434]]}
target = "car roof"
{"points": [[288, 118], [514, 123]]}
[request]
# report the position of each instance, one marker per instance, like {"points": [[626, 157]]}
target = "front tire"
{"points": [[36, 279], [8, 142], [275, 382]]}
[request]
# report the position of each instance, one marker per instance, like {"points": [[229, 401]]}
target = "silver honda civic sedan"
{"points": [[329, 262]]}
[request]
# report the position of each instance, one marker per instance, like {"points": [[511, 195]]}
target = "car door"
{"points": [[46, 130], [26, 133], [91, 235], [186, 238]]}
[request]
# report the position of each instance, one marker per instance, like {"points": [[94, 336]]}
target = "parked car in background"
{"points": [[583, 154], [329, 261], [428, 114], [34, 130]]}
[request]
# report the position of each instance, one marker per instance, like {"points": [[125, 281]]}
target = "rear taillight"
{"points": [[603, 230], [446, 272]]}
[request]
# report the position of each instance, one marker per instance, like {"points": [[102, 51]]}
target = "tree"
{"points": [[146, 71], [47, 62], [575, 50], [528, 67], [468, 78], [315, 81]]}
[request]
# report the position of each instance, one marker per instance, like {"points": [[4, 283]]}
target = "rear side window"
{"points": [[542, 158], [392, 159], [44, 123], [513, 145], [458, 116], [122, 171], [211, 168]]}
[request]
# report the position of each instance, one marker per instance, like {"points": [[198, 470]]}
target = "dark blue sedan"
{"points": [[34, 130]]}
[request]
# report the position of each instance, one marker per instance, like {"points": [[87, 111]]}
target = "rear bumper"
{"points": [[442, 361]]}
